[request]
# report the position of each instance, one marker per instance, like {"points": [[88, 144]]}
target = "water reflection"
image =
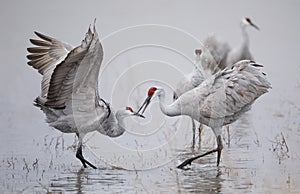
{"points": [[84, 180], [206, 179]]}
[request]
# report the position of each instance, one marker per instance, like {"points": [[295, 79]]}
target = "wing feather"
{"points": [[234, 90], [215, 54], [45, 56], [74, 82]]}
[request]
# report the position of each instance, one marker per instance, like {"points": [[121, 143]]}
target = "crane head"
{"points": [[129, 112], [151, 92], [247, 21], [198, 51]]}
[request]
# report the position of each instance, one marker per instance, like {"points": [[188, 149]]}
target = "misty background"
{"points": [[163, 35]]}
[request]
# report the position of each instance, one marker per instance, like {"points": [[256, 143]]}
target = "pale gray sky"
{"points": [[178, 25]]}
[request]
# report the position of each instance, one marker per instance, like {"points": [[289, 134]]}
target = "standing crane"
{"points": [[218, 55], [218, 101], [189, 82], [69, 89], [243, 51]]}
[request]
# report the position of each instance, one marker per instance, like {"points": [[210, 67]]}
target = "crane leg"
{"points": [[194, 130], [80, 156], [218, 150], [200, 129], [228, 135], [82, 159]]}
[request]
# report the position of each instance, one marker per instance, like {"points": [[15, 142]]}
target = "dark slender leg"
{"points": [[200, 128], [82, 159], [80, 156], [228, 135], [194, 135], [218, 149]]}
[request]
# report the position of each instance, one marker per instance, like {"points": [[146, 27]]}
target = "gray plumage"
{"points": [[69, 89], [189, 82], [218, 55], [222, 98], [219, 100], [214, 55]]}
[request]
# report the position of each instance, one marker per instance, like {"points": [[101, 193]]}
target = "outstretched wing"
{"points": [[45, 56], [233, 90], [74, 82], [215, 54]]}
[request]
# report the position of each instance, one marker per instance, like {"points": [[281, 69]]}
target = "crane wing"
{"points": [[74, 82], [196, 80], [215, 54], [45, 56], [234, 89]]}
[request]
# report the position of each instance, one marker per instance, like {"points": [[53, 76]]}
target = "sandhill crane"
{"points": [[69, 89], [218, 101], [243, 51], [188, 82], [217, 54]]}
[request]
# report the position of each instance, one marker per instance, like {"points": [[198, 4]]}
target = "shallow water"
{"points": [[251, 163]]}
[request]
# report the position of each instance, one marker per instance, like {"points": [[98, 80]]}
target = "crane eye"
{"points": [[175, 96], [248, 20]]}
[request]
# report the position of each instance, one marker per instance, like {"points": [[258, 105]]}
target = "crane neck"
{"points": [[198, 69], [245, 36], [197, 65], [120, 120], [169, 110], [114, 126]]}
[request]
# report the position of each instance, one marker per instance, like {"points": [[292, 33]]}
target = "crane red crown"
{"points": [[151, 91], [198, 51], [129, 108]]}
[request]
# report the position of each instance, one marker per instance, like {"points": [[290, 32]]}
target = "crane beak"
{"points": [[254, 26], [145, 104], [139, 115]]}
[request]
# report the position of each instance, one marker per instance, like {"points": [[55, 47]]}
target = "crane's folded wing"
{"points": [[234, 90]]}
